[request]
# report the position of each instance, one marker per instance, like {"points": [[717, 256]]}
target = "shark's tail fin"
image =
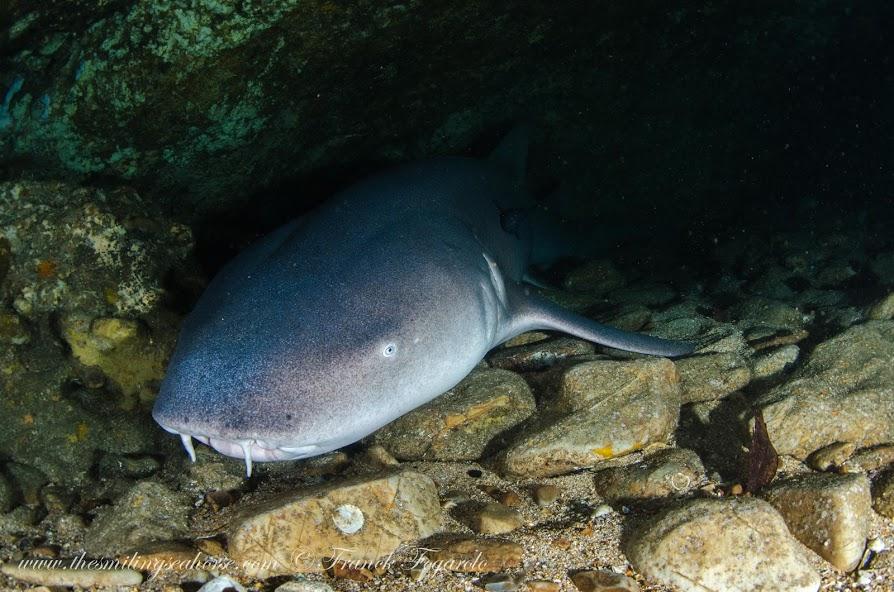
{"points": [[534, 312]]}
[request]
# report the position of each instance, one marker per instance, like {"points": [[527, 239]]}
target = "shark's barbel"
{"points": [[379, 301]]}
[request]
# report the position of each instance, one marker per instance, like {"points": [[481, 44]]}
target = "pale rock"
{"points": [[844, 393], [882, 310], [667, 473], [380, 457], [721, 338], [526, 338], [601, 409], [147, 513], [294, 532], [734, 544], [121, 349], [222, 584], [495, 518], [543, 586], [633, 317], [828, 513], [774, 362], [765, 312], [709, 377]]}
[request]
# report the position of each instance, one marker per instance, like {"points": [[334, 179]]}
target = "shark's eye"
{"points": [[389, 350]]}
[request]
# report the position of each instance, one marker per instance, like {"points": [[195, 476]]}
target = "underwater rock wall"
{"points": [[86, 325], [647, 108]]}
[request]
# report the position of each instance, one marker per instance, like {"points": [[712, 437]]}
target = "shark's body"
{"points": [[384, 298]]}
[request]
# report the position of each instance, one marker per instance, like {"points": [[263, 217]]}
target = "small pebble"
{"points": [[45, 552], [882, 310], [344, 571], [503, 582], [222, 584], [211, 547], [546, 495], [505, 497], [543, 586], [601, 510], [496, 519], [379, 456], [876, 545], [510, 499], [864, 578], [562, 543], [603, 580], [831, 456], [711, 489]]}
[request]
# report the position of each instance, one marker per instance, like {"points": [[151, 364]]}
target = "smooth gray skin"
{"points": [[381, 300]]}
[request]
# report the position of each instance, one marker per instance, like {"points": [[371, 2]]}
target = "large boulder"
{"points": [[844, 393], [733, 544], [359, 520], [599, 410]]}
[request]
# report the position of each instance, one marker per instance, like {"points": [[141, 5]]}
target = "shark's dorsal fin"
{"points": [[511, 155]]}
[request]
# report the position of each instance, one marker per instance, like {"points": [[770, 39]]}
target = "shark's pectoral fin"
{"points": [[532, 312]]}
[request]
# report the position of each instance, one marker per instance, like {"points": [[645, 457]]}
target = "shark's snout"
{"points": [[251, 449]]}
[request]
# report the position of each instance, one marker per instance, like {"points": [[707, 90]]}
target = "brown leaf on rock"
{"points": [[762, 461]]}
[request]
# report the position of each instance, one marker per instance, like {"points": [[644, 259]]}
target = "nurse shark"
{"points": [[380, 300]]}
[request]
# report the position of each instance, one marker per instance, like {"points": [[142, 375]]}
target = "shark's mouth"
{"points": [[251, 449]]}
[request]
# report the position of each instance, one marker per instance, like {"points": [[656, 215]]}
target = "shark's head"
{"points": [[282, 359]]}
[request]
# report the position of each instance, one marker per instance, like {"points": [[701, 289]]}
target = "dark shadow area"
{"points": [[222, 234], [706, 430]]}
